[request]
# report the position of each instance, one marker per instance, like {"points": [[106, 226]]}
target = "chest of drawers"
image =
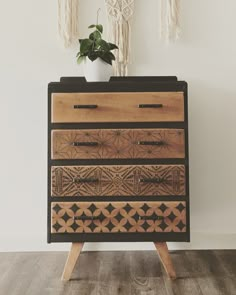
{"points": [[118, 163]]}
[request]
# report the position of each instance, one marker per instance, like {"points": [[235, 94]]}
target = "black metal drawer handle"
{"points": [[151, 180], [88, 144], [85, 106], [153, 105], [151, 218], [151, 143], [93, 218], [84, 218], [85, 180]]}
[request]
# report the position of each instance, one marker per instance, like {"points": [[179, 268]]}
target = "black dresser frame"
{"points": [[119, 84]]}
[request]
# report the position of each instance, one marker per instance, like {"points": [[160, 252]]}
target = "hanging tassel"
{"points": [[68, 14], [122, 39], [170, 19], [120, 13]]}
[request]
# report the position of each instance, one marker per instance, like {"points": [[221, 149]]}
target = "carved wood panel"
{"points": [[115, 217], [118, 144], [140, 180]]}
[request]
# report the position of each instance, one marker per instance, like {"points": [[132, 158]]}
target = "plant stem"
{"points": [[98, 14]]}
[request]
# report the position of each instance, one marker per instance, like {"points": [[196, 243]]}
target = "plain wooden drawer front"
{"points": [[140, 180], [115, 217], [117, 107], [118, 144]]}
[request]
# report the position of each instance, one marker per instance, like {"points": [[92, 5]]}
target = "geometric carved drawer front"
{"points": [[115, 217], [118, 144], [118, 107], [138, 180]]}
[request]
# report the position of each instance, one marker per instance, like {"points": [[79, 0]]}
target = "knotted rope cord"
{"points": [[68, 14], [120, 13]]}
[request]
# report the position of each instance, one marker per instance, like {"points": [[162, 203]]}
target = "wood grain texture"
{"points": [[116, 217], [117, 107], [165, 258], [119, 273], [139, 180], [118, 144], [73, 256]]}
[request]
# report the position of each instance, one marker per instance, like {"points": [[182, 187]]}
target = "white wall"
{"points": [[31, 55]]}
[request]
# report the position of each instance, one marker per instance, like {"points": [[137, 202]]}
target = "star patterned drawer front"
{"points": [[126, 217], [138, 180], [118, 217], [118, 144], [118, 107]]}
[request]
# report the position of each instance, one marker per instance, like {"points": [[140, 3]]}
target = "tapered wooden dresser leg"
{"points": [[71, 260], [165, 258]]}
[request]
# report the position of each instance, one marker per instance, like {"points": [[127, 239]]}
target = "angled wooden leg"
{"points": [[164, 255], [71, 260]]}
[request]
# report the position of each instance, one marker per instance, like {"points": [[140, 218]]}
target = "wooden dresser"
{"points": [[118, 163]]}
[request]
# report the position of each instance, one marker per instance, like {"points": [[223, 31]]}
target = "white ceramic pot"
{"points": [[97, 70]]}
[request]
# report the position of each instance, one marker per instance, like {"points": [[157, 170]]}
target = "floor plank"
{"points": [[146, 274], [119, 273]]}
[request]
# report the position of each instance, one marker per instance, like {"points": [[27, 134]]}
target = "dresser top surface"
{"points": [[119, 84]]}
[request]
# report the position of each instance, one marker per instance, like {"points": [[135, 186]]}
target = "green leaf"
{"points": [[99, 28], [96, 45], [78, 54], [106, 57], [93, 55], [111, 56], [112, 46], [103, 44], [80, 40], [80, 59], [92, 26], [86, 45], [95, 35], [107, 60]]}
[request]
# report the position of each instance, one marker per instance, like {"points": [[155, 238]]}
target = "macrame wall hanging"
{"points": [[170, 19], [120, 13], [68, 14]]}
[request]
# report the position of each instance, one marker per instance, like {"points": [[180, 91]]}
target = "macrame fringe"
{"points": [[170, 19], [120, 35], [68, 14], [120, 13]]}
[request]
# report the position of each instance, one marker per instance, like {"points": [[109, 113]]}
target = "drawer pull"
{"points": [[85, 106], [153, 105], [93, 218], [151, 180], [77, 143], [151, 143], [83, 217], [151, 218], [85, 180]]}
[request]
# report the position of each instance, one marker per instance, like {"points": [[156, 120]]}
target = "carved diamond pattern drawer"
{"points": [[118, 144], [115, 217], [148, 180]]}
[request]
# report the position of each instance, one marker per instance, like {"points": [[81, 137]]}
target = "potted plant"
{"points": [[97, 56]]}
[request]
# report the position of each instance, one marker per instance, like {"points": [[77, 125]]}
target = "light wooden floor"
{"points": [[111, 273]]}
